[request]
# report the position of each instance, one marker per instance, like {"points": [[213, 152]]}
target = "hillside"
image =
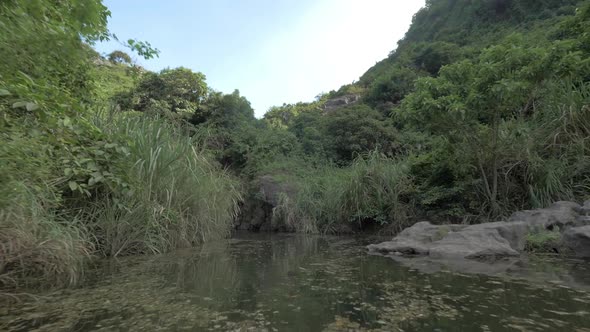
{"points": [[467, 105]]}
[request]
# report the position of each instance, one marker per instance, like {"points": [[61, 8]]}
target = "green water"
{"points": [[302, 283]]}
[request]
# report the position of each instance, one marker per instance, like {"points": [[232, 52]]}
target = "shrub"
{"points": [[374, 191]]}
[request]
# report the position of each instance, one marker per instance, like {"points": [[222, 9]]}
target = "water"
{"points": [[302, 283]]}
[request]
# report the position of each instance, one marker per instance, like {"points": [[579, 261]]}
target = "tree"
{"points": [[472, 104], [119, 57], [354, 130], [177, 90]]}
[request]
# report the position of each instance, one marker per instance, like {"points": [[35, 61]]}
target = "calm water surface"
{"points": [[303, 283]]}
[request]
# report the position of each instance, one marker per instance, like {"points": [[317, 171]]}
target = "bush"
{"points": [[179, 197], [375, 192]]}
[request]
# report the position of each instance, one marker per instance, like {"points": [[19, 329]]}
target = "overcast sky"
{"points": [[273, 51]]}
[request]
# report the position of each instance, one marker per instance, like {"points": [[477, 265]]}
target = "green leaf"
{"points": [[4, 93], [32, 107], [19, 104], [73, 185]]}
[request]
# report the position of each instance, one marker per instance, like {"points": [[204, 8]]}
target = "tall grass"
{"points": [[36, 244], [180, 198], [373, 191], [560, 168], [176, 197]]}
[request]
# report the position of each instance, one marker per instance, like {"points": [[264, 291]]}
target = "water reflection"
{"points": [[301, 283]]}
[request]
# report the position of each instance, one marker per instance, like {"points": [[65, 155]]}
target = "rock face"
{"points": [[493, 240], [339, 102], [577, 239], [256, 214]]}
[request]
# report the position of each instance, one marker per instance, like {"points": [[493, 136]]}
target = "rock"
{"points": [[491, 241], [403, 246], [340, 102], [256, 214], [584, 210], [514, 232], [472, 244], [415, 240], [270, 189], [560, 214], [577, 239]]}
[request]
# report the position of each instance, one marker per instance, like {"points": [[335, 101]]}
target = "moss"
{"points": [[544, 242]]}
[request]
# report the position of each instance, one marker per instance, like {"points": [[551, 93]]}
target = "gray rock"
{"points": [[560, 214], [514, 232], [340, 102], [415, 240], [271, 189], [577, 239], [472, 244], [584, 210], [491, 241], [257, 214]]}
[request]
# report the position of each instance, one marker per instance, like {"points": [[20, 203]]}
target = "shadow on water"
{"points": [[262, 282]]}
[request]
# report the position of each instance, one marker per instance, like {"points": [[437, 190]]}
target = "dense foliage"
{"points": [[77, 182], [485, 102]]}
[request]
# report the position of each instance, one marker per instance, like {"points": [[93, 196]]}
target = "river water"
{"points": [[257, 282]]}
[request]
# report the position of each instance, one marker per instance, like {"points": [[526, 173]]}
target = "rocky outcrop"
{"points": [[454, 241], [256, 213], [493, 240], [340, 102]]}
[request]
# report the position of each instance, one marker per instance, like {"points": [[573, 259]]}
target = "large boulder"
{"points": [[415, 240], [577, 239], [560, 214], [514, 232], [491, 240], [472, 244]]}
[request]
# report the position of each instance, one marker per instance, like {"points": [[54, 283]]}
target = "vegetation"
{"points": [[78, 183], [483, 109], [375, 191], [544, 242], [485, 103]]}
